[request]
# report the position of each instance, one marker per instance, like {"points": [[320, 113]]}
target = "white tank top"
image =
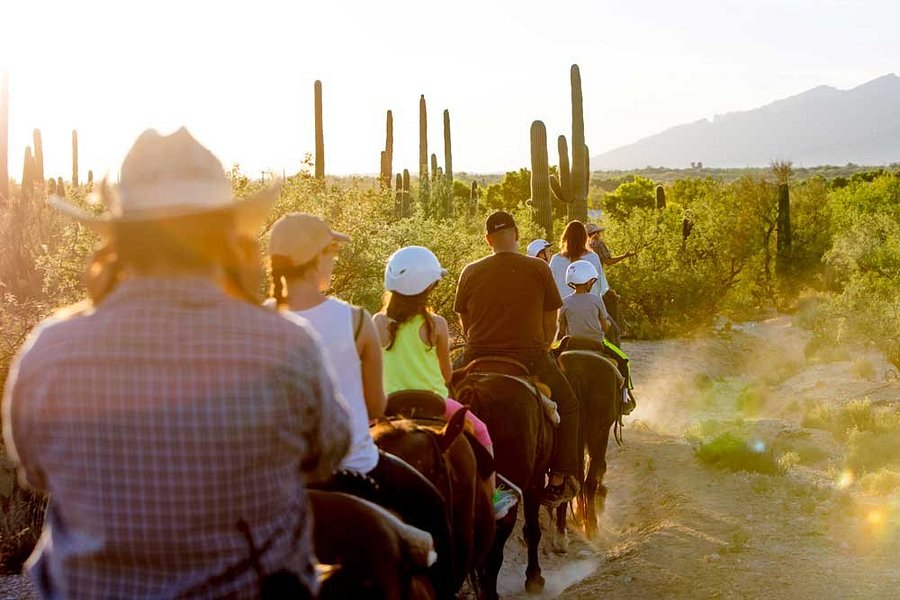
{"points": [[333, 321]]}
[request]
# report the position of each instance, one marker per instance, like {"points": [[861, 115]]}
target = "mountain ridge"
{"points": [[822, 125]]}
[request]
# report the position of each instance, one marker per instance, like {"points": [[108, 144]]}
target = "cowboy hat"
{"points": [[591, 228], [168, 177]]}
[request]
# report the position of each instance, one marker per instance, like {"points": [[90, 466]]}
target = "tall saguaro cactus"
{"points": [[4, 137], [434, 167], [60, 187], [387, 157], [423, 139], [28, 174], [578, 207], [540, 179], [448, 151], [38, 155], [74, 157], [320, 135], [783, 230]]}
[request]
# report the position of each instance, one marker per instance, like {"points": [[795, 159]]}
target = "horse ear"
{"points": [[448, 434]]}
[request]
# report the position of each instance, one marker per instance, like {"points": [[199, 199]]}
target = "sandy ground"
{"points": [[674, 528]]}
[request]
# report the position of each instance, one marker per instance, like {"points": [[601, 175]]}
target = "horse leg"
{"points": [[489, 571], [534, 582], [560, 536], [593, 482]]}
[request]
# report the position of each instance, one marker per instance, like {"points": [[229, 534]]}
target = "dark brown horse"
{"points": [[523, 447], [595, 381], [447, 459], [373, 553]]}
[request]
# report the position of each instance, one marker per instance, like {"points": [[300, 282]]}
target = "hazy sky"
{"points": [[240, 75]]}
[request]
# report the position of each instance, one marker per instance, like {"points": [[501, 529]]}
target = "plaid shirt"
{"points": [[600, 247], [159, 421]]}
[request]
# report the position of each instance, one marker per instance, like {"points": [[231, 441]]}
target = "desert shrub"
{"points": [[732, 452], [751, 399], [865, 261], [869, 451], [857, 415], [882, 482]]}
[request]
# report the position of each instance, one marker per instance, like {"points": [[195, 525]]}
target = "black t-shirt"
{"points": [[504, 297]]}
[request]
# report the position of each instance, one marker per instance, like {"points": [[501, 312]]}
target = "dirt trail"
{"points": [[674, 528]]}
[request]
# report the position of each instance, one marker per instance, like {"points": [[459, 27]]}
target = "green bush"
{"points": [[730, 452]]}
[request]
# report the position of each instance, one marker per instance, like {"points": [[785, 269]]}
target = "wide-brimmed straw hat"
{"points": [[591, 228], [169, 177]]}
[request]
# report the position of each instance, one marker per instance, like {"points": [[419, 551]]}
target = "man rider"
{"points": [[507, 304]]}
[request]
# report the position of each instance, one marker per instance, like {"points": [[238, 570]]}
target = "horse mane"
{"points": [[390, 430]]}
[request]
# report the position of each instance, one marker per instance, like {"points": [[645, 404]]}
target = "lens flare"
{"points": [[875, 517], [845, 480], [758, 446]]}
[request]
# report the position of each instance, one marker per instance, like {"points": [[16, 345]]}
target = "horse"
{"points": [[523, 447], [375, 555], [447, 459], [596, 382]]}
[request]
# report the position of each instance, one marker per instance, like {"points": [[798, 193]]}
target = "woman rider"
{"points": [[302, 253]]}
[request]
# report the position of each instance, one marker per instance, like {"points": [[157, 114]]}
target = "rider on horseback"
{"points": [[584, 315], [507, 303], [417, 344], [302, 251]]}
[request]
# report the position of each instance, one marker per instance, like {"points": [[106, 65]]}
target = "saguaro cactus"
{"points": [[4, 137], [28, 174], [90, 180], [74, 157], [384, 176], [660, 197], [423, 147], [448, 152], [320, 135], [406, 197], [51, 187], [783, 230], [561, 186], [398, 196], [540, 179], [387, 157], [473, 197], [434, 167], [578, 207], [38, 155], [60, 187]]}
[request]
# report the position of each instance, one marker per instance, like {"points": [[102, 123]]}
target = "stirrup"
{"points": [[509, 484]]}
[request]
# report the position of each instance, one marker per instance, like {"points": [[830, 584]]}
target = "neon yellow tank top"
{"points": [[410, 364]]}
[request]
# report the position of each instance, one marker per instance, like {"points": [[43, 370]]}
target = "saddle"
{"points": [[415, 404], [516, 371]]}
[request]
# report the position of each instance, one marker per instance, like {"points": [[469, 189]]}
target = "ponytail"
{"points": [[399, 309], [282, 269]]}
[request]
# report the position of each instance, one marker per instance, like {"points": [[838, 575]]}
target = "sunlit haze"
{"points": [[240, 75]]}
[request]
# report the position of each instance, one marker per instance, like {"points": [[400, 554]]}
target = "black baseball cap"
{"points": [[498, 221]]}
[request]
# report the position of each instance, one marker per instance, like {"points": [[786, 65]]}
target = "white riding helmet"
{"points": [[535, 247], [411, 270], [579, 272]]}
